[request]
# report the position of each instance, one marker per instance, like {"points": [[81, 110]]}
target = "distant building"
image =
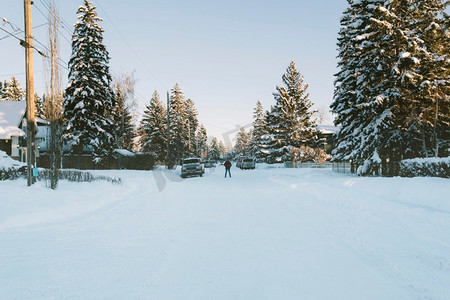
{"points": [[13, 130], [327, 132], [11, 134]]}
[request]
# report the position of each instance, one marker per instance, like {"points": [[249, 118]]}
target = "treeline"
{"points": [[286, 132], [176, 134]]}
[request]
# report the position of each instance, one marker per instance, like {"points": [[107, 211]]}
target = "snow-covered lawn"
{"points": [[269, 233]]}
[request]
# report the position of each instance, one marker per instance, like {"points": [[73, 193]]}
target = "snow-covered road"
{"points": [[270, 233]]}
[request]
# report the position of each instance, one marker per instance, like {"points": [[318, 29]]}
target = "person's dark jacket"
{"points": [[227, 164]]}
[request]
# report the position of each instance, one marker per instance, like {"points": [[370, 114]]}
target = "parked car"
{"points": [[239, 162], [209, 163], [247, 163], [192, 166]]}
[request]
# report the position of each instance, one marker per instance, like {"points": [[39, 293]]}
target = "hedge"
{"points": [[10, 174], [428, 167]]}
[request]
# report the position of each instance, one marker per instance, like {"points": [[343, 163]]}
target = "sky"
{"points": [[225, 55]]}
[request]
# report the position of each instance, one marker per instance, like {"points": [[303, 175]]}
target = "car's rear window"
{"points": [[191, 161]]}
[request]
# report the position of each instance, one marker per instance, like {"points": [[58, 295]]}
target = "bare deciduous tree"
{"points": [[52, 105]]}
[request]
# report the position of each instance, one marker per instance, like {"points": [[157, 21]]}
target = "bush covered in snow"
{"points": [[9, 168], [10, 173], [432, 167], [77, 176]]}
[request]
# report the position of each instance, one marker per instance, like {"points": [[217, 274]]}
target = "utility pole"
{"points": [[29, 90]]}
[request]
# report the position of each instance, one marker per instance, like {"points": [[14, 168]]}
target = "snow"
{"points": [[330, 129], [11, 113], [123, 152], [270, 233], [429, 160], [7, 162], [404, 54]]}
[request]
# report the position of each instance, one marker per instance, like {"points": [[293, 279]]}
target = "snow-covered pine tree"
{"points": [[222, 149], [89, 99], [192, 125], [344, 105], [214, 149], [377, 96], [13, 91], [39, 106], [290, 122], [383, 83], [360, 95], [242, 146], [178, 133], [3, 86], [430, 114], [202, 142], [259, 131], [153, 128]]}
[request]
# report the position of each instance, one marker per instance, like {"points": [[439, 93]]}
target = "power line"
{"points": [[128, 44], [64, 24], [21, 73], [46, 17], [37, 41], [20, 30], [11, 34], [22, 42], [8, 35]]}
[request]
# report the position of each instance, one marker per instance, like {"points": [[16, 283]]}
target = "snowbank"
{"points": [[7, 162]]}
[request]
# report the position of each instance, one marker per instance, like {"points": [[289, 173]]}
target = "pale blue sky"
{"points": [[225, 55]]}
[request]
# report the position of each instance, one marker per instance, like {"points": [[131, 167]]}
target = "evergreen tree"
{"points": [[242, 147], [202, 142], [89, 99], [3, 88], [153, 128], [178, 133], [290, 123], [430, 115], [13, 91], [381, 85], [39, 106], [222, 149], [344, 106], [192, 125], [381, 90], [214, 149], [259, 131]]}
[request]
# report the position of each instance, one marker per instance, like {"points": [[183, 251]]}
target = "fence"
{"points": [[136, 161], [342, 167], [79, 162], [298, 164]]}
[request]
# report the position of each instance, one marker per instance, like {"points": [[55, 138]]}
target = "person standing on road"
{"points": [[227, 165]]}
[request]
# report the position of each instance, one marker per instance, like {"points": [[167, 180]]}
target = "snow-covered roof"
{"points": [[327, 129], [11, 114], [123, 152], [40, 121]]}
